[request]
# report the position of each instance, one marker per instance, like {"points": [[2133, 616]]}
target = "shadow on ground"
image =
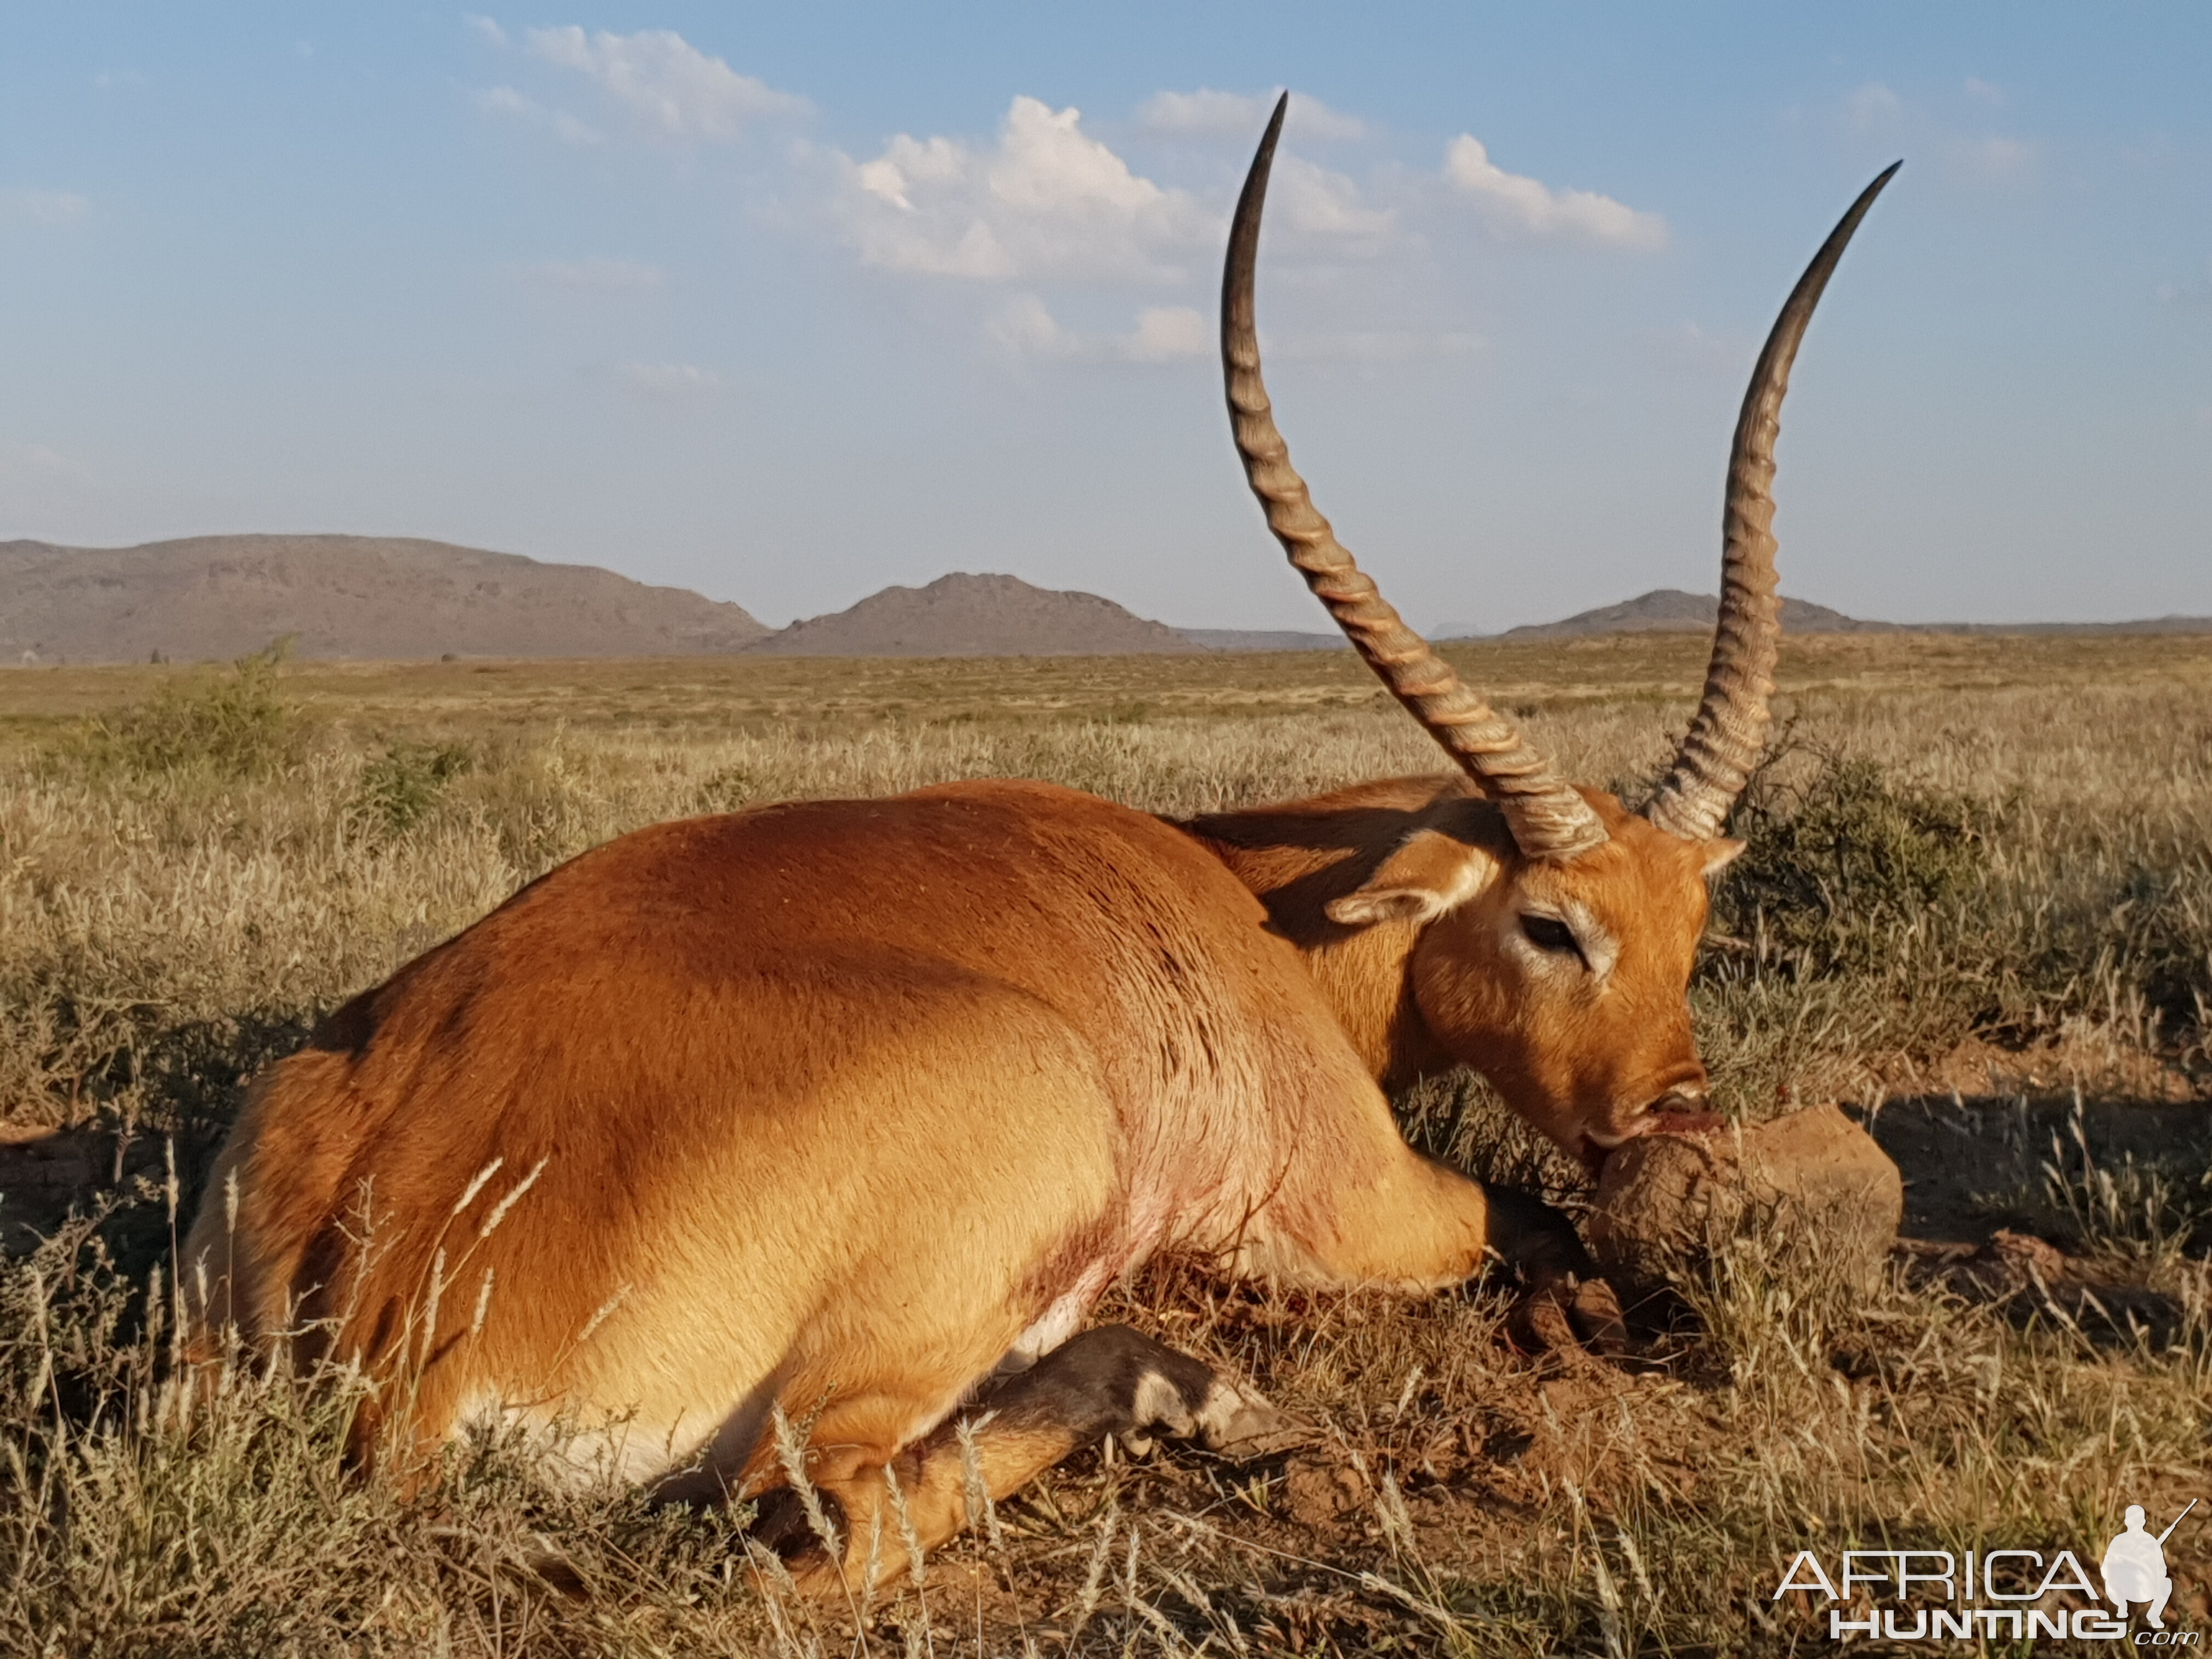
{"points": [[2070, 1208], [180, 1087], [1976, 1165]]}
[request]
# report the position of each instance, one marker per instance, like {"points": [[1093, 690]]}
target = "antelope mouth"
{"points": [[1671, 1114]]}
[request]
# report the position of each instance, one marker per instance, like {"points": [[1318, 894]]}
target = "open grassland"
{"points": [[1978, 905]]}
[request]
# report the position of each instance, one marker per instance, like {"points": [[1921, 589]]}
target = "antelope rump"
{"points": [[855, 1108]]}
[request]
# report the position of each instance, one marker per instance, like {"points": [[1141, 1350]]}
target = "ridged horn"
{"points": [[1724, 740], [1548, 819]]}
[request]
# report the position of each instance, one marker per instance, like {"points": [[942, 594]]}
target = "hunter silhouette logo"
{"points": [[1997, 1594], [2135, 1567]]}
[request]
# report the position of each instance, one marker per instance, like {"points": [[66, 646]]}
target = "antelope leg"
{"points": [[1110, 1380]]}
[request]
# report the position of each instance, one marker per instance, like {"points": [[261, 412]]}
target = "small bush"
{"points": [[1839, 865], [1861, 919], [235, 726], [400, 786], [1903, 915], [2151, 929]]}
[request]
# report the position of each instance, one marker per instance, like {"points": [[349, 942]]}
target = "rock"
{"points": [[1813, 1181]]}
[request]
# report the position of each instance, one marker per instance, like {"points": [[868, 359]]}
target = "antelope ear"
{"points": [[1720, 853], [1429, 874]]}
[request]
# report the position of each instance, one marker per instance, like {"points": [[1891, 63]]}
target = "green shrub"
{"points": [[2148, 928], [1838, 865], [1874, 914], [233, 727], [400, 786]]}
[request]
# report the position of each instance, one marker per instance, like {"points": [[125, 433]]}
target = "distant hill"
{"points": [[965, 616], [342, 596], [218, 597], [1669, 610]]}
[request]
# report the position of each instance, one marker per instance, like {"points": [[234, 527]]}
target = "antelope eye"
{"points": [[1550, 933]]}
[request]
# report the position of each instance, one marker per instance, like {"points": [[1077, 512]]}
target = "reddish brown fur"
{"points": [[829, 1103]]}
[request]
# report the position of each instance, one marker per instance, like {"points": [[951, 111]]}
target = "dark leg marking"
{"points": [[1564, 1303]]}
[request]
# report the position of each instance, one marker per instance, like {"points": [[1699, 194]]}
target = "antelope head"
{"points": [[1557, 929]]}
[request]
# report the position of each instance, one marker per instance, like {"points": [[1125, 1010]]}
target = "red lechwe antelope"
{"points": [[857, 1107]]}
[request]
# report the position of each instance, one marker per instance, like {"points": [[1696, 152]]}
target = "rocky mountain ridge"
{"points": [[213, 597], [220, 597]]}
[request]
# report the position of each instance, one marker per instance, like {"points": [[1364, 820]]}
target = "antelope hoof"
{"points": [[1245, 1427], [1572, 1315], [1594, 1312]]}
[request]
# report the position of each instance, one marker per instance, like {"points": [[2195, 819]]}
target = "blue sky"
{"points": [[788, 303]]}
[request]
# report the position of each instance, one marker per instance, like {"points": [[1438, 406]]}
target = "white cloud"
{"points": [[1994, 160], [1312, 201], [507, 102], [666, 81], [1026, 327], [1046, 200], [596, 275], [1208, 113], [669, 383], [485, 29], [1873, 105], [42, 207], [1530, 206], [1167, 334], [1688, 347]]}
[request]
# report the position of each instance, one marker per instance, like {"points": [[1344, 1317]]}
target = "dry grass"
{"points": [[1982, 864]]}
